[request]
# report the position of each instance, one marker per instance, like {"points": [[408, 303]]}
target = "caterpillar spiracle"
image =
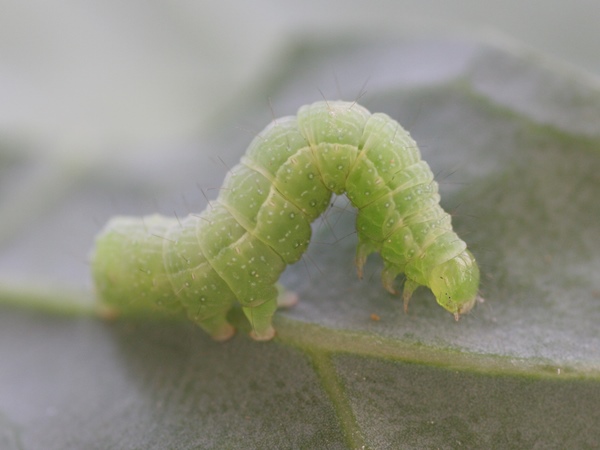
{"points": [[237, 248]]}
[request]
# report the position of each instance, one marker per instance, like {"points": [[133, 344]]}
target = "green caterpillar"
{"points": [[237, 248]]}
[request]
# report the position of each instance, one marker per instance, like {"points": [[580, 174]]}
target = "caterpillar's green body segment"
{"points": [[237, 248]]}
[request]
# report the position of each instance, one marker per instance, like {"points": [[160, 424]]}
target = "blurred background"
{"points": [[79, 74]]}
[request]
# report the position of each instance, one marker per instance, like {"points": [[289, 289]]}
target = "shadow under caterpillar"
{"points": [[238, 247]]}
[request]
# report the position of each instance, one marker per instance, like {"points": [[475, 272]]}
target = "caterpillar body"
{"points": [[237, 248]]}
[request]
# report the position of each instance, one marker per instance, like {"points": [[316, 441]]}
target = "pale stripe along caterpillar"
{"points": [[237, 248]]}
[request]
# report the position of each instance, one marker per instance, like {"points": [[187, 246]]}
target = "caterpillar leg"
{"points": [[260, 319], [409, 288], [363, 250], [285, 298], [217, 326], [388, 276]]}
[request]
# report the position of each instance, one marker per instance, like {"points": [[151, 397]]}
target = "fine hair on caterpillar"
{"points": [[236, 249]]}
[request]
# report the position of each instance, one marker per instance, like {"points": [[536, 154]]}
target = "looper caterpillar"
{"points": [[237, 248]]}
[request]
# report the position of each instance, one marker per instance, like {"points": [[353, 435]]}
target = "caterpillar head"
{"points": [[455, 283]]}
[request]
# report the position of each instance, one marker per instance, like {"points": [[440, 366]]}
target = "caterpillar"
{"points": [[237, 248]]}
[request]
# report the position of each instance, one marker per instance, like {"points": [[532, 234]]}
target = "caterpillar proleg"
{"points": [[261, 221]]}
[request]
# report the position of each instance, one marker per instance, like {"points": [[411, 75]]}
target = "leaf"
{"points": [[515, 144]]}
